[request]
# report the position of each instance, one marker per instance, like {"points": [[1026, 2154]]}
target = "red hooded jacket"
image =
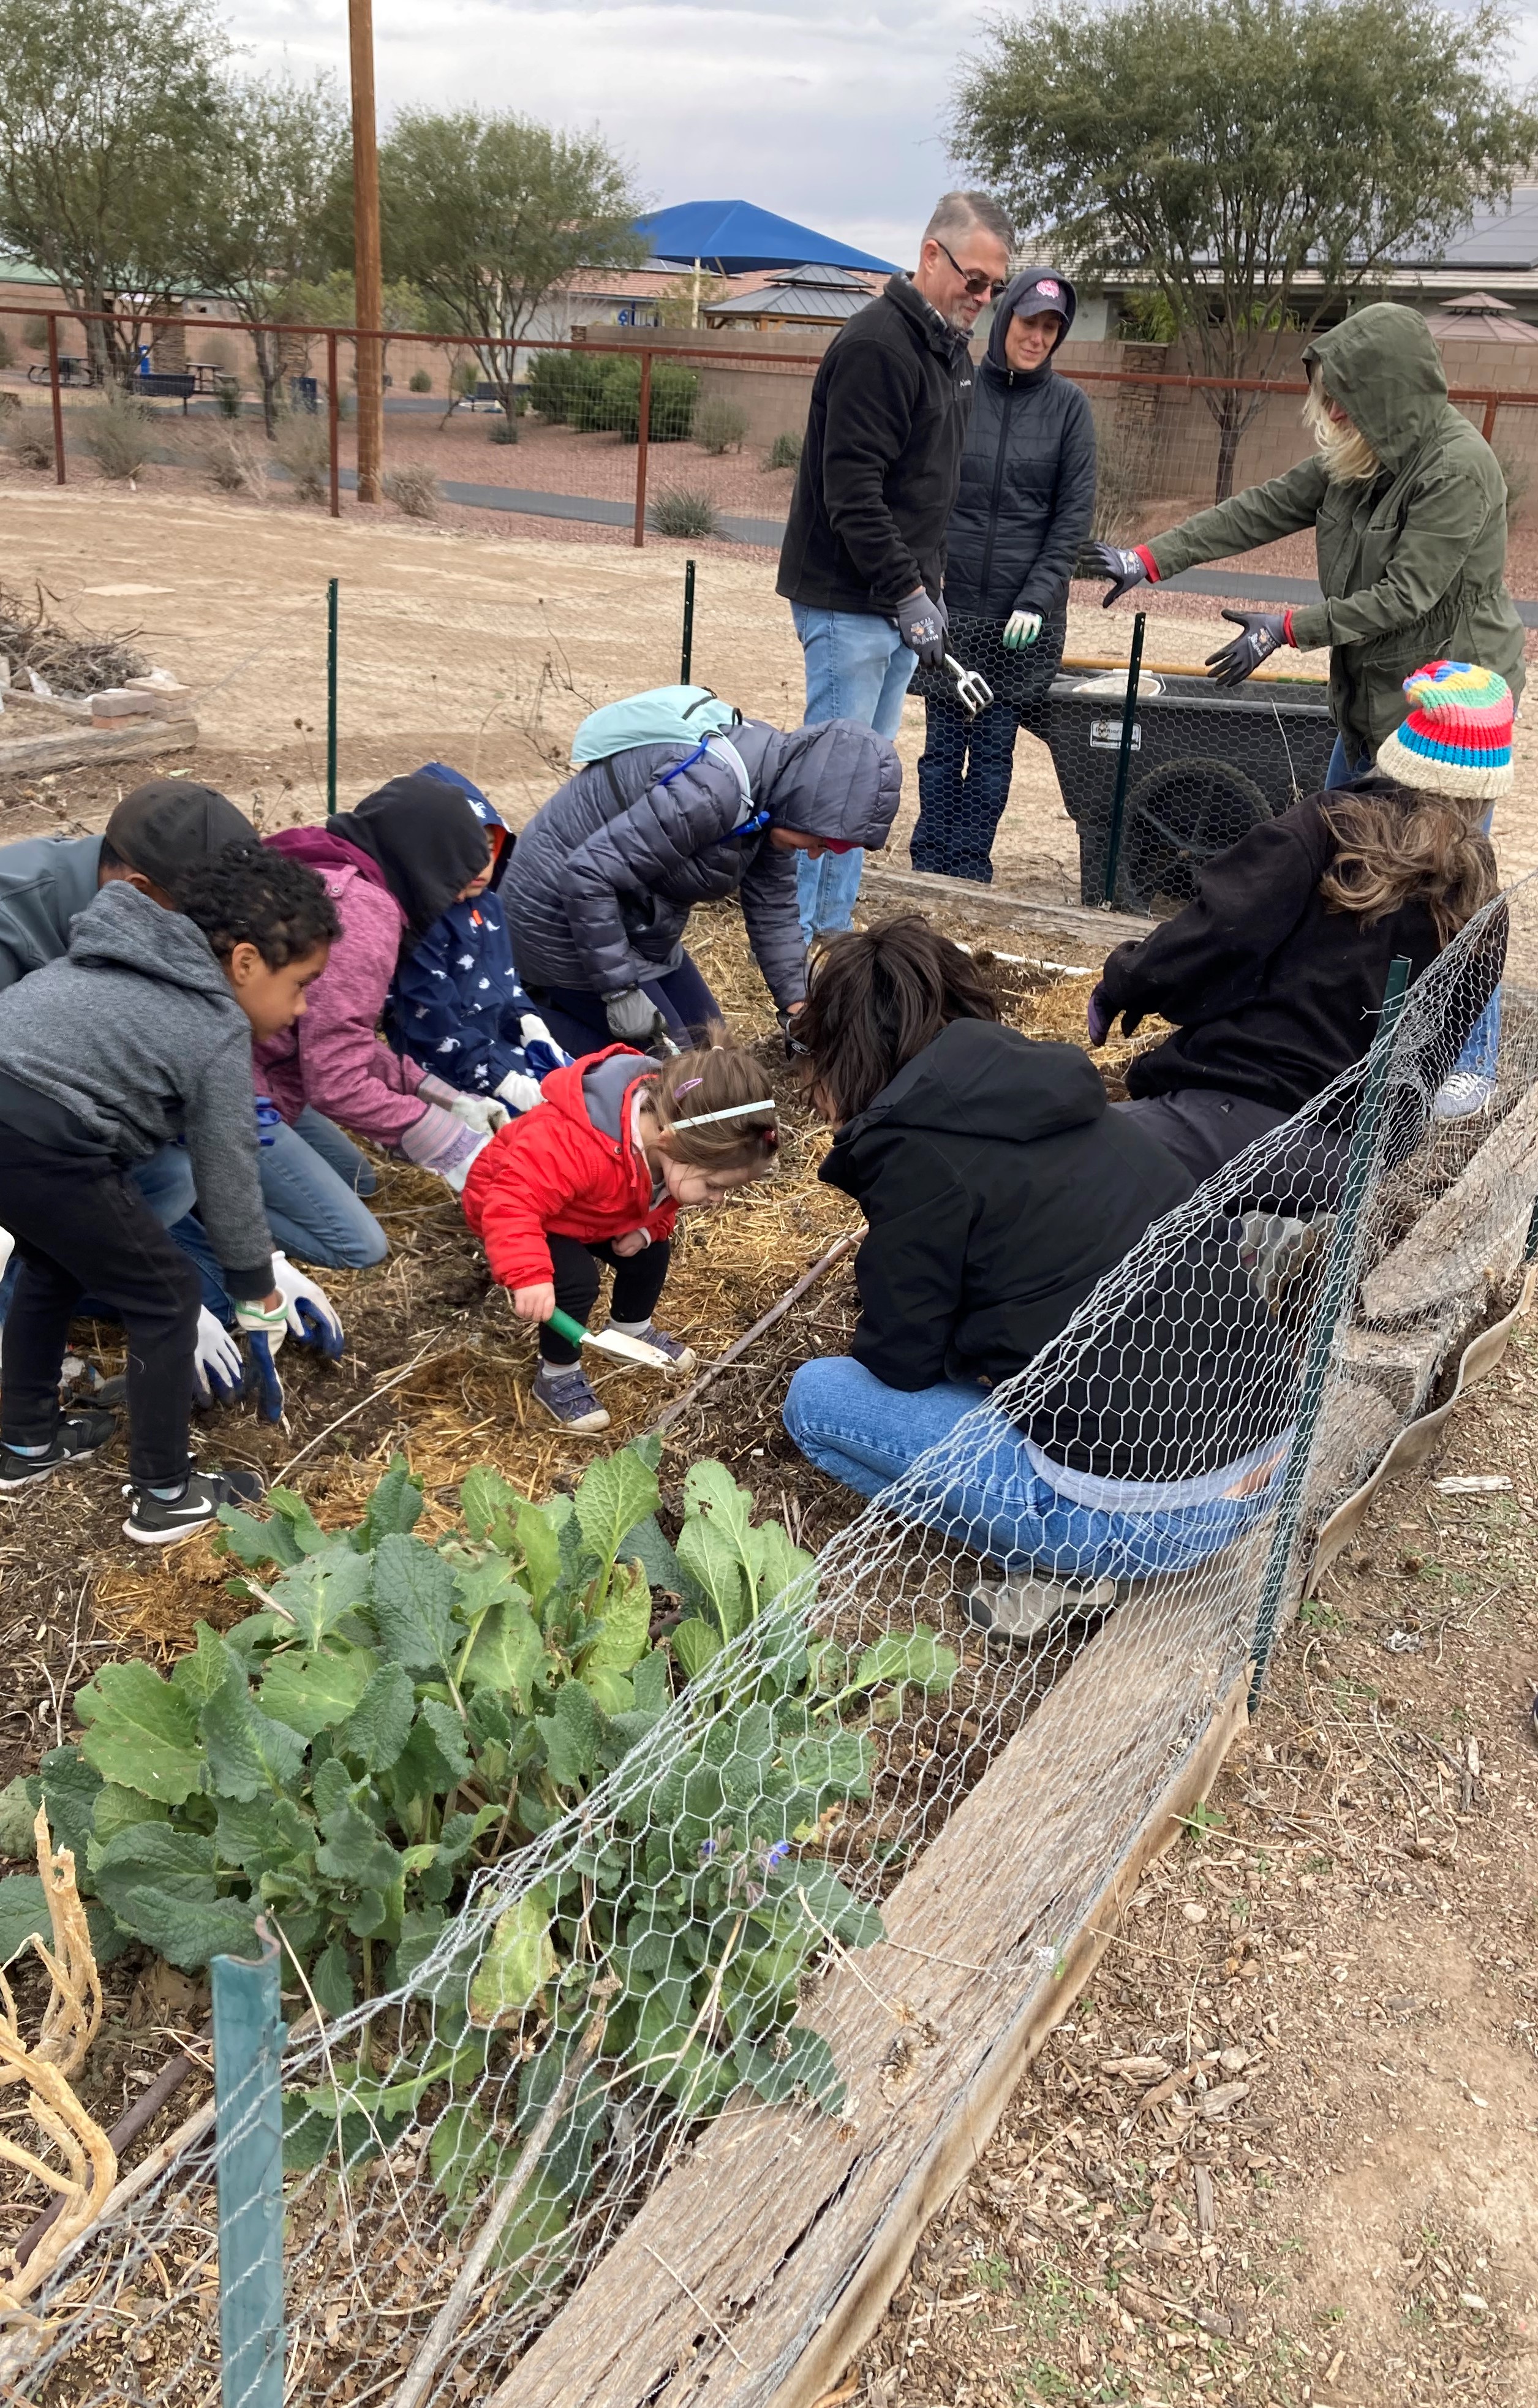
{"points": [[551, 1169]]}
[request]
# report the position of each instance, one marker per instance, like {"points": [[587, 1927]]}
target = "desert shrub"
{"points": [[34, 334], [236, 464], [7, 355], [464, 379], [413, 491], [420, 382], [218, 352], [227, 396], [118, 434], [678, 510], [10, 406], [609, 403], [785, 451], [304, 453], [720, 426], [555, 380], [32, 442]]}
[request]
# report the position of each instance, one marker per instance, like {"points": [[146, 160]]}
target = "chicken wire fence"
{"points": [[698, 1915]]}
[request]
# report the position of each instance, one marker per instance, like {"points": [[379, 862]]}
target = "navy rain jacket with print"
{"points": [[456, 1005]]}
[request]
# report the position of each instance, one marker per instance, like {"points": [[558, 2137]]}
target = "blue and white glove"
{"points": [[311, 1318], [519, 1091], [1021, 629], [267, 1327], [219, 1375]]}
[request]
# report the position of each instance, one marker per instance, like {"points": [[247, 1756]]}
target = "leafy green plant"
{"points": [[784, 452], [395, 1717], [680, 511]]}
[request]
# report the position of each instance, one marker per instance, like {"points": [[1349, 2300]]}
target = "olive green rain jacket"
{"points": [[1412, 563]]}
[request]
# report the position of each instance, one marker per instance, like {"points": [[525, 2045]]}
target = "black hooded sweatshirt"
{"points": [[426, 838], [997, 1188], [1028, 474], [879, 465]]}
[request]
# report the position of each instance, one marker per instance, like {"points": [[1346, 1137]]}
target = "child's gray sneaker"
{"points": [[566, 1393], [1025, 1606], [76, 1435]]}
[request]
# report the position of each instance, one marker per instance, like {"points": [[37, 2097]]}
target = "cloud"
{"points": [[837, 122]]}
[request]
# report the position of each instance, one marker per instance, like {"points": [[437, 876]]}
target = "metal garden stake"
{"points": [[1124, 761], [1334, 1299], [331, 698], [248, 2049], [686, 660]]}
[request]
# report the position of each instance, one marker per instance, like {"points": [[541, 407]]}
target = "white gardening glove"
{"points": [[7, 1247], [219, 1375], [482, 1114], [310, 1315], [1021, 629], [519, 1092]]}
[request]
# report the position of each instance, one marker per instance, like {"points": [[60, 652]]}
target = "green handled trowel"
{"points": [[611, 1342]]}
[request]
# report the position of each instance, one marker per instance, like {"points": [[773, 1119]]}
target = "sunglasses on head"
{"points": [[975, 280]]}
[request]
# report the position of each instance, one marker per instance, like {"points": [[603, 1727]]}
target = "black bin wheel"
{"points": [[1181, 814]]}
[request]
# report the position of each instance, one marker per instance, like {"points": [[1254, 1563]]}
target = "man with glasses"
{"points": [[863, 561]]}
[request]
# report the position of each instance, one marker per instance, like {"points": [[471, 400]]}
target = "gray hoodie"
{"points": [[134, 1038], [43, 881], [598, 890]]}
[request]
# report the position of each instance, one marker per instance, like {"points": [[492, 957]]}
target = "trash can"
{"points": [[1203, 768]]}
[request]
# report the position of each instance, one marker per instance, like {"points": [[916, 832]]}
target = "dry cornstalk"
{"points": [[70, 2022]]}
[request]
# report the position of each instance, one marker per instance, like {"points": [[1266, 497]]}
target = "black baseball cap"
{"points": [[169, 826]]}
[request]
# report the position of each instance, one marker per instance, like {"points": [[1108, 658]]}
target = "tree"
{"points": [[488, 214], [260, 232], [108, 114], [335, 303], [1256, 159]]}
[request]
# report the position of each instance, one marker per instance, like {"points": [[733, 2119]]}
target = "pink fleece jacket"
{"points": [[333, 1056]]}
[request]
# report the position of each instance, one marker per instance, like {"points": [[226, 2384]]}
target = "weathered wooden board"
{"points": [[1474, 1230], [76, 747], [765, 2257], [1098, 930]]}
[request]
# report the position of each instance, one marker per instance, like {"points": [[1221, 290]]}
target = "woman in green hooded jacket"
{"points": [[1408, 508]]}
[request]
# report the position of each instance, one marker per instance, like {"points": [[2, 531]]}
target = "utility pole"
{"points": [[366, 274]]}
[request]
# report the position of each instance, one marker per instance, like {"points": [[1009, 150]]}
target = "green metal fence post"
{"points": [[331, 698], [1124, 761], [1334, 1300], [248, 2049], [687, 661]]}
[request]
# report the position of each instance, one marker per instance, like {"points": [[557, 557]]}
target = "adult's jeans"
{"points": [[1344, 767], [313, 1182], [78, 1224], [577, 1020], [857, 666], [165, 1181], [989, 1495], [963, 785]]}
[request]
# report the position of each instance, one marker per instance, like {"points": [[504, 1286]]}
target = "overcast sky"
{"points": [[829, 116]]}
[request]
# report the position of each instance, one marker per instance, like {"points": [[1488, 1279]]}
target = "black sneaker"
{"points": [[160, 1521], [76, 1435]]}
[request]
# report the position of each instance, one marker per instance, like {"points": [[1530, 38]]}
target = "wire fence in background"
{"points": [[610, 438], [759, 1891]]}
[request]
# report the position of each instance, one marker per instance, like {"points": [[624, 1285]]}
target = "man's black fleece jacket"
{"points": [[882, 459]]}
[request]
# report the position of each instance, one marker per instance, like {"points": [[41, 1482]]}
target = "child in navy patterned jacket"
{"points": [[456, 1006]]}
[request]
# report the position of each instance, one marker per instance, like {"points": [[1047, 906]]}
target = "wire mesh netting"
{"points": [[713, 1901]]}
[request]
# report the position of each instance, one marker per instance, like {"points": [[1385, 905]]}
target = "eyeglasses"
{"points": [[973, 279]]}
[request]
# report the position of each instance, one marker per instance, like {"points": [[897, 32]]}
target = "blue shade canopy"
{"points": [[738, 240]]}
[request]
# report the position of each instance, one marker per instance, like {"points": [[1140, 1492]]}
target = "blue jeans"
{"points": [[963, 785], [1342, 768], [313, 1181], [857, 666], [166, 1184], [856, 1429]]}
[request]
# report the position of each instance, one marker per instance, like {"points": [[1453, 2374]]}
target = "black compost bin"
{"points": [[1205, 769]]}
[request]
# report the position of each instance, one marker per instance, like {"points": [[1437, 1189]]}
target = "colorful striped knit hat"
{"points": [[1456, 739]]}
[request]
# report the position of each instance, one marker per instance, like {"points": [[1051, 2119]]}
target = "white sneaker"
{"points": [[1024, 1607], [1462, 1095]]}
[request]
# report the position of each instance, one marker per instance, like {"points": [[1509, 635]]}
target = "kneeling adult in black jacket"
{"points": [[998, 1190]]}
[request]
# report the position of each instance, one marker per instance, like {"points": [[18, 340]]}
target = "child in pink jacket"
{"points": [[391, 868]]}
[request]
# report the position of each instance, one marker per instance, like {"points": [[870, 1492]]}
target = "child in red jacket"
{"points": [[596, 1173]]}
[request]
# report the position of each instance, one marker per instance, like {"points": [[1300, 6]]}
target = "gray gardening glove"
{"points": [[1264, 632], [1124, 570], [633, 1018], [921, 625]]}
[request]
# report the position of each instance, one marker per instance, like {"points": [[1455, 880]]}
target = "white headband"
{"points": [[732, 1112]]}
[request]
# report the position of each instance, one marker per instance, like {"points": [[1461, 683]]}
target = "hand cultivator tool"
{"points": [[973, 690], [609, 1342]]}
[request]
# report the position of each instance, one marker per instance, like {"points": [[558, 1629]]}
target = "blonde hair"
{"points": [[1400, 847], [714, 1078], [1349, 458]]}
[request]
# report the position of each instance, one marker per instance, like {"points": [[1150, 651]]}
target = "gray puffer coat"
{"points": [[599, 892]]}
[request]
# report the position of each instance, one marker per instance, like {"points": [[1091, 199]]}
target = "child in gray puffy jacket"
{"points": [[142, 1033]]}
